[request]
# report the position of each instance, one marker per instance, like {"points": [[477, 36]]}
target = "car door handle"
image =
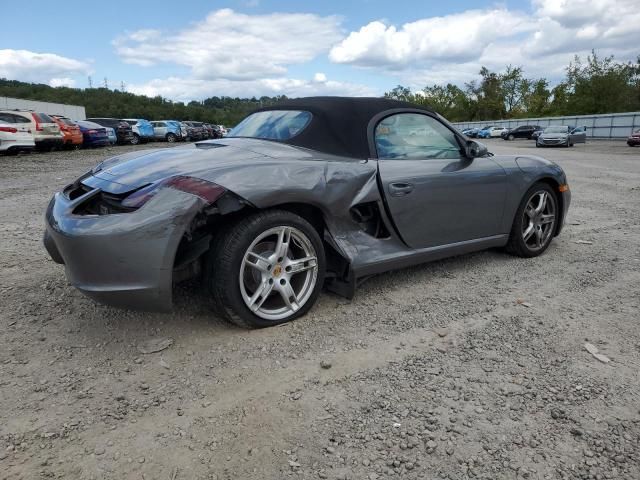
{"points": [[399, 189]]}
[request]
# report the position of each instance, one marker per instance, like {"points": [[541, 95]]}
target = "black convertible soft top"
{"points": [[339, 124]]}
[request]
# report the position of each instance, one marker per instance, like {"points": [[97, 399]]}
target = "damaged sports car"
{"points": [[313, 192]]}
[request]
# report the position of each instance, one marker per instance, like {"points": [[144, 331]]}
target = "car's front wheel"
{"points": [[511, 137], [535, 222], [266, 269]]}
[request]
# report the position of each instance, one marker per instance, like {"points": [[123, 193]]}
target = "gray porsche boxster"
{"points": [[313, 192]]}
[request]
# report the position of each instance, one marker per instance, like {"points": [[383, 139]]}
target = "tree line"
{"points": [[591, 86], [595, 85], [102, 102]]}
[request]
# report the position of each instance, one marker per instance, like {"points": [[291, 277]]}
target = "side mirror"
{"points": [[476, 149]]}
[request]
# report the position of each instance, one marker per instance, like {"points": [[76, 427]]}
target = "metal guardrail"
{"points": [[609, 125]]}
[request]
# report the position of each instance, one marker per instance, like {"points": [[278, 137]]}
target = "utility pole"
{"points": [[90, 81], [122, 86], [106, 84]]}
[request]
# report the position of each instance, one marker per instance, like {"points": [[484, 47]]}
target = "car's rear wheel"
{"points": [[535, 222], [135, 140], [171, 138], [266, 269]]}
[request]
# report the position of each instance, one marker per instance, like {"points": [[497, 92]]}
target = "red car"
{"points": [[634, 139], [70, 131]]}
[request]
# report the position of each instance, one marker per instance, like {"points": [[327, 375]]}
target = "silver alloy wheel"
{"points": [[278, 273], [539, 220]]}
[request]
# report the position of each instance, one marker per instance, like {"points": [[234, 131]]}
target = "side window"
{"points": [[7, 117], [21, 119], [161, 124], [414, 136]]}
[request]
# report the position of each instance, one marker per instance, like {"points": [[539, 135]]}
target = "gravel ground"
{"points": [[472, 367]]}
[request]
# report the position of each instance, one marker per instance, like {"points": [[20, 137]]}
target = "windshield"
{"points": [[43, 118], [556, 129], [272, 124]]}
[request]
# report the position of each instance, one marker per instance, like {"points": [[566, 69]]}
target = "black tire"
{"points": [[135, 140], [224, 261], [516, 244], [171, 137], [511, 137], [537, 145]]}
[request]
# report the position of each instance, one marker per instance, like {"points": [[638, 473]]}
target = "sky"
{"points": [[191, 50]]}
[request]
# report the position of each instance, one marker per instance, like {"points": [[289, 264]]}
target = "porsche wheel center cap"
{"points": [[277, 270]]}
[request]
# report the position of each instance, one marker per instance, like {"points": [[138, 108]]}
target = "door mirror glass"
{"points": [[476, 149]]}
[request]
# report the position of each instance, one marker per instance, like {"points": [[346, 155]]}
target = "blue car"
{"points": [[484, 132], [142, 130], [93, 135], [169, 130], [471, 132]]}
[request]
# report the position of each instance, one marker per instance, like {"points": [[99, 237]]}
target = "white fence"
{"points": [[610, 125], [75, 112]]}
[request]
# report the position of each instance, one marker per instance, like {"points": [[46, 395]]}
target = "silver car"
{"points": [[561, 135], [167, 130], [312, 192]]}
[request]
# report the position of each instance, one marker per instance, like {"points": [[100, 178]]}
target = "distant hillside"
{"points": [[102, 102]]}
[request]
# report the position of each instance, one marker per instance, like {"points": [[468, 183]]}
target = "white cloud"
{"points": [[320, 77], [457, 37], [582, 25], [39, 67], [231, 45], [454, 47], [186, 89]]}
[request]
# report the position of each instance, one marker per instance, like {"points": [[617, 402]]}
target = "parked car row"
{"points": [[26, 130], [561, 135], [29, 130], [488, 131]]}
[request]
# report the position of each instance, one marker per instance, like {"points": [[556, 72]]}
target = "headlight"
{"points": [[208, 191]]}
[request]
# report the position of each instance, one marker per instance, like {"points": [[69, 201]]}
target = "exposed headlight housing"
{"points": [[208, 191]]}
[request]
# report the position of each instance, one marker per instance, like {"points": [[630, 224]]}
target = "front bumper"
{"points": [[633, 141], [124, 260], [551, 141]]}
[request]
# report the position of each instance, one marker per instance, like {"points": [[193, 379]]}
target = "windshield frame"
{"points": [[550, 129]]}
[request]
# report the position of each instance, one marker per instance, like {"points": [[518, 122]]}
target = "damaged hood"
{"points": [[206, 160], [262, 172]]}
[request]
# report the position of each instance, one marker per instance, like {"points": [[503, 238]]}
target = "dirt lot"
{"points": [[473, 367]]}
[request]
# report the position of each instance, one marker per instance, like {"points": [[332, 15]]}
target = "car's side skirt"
{"points": [[414, 257]]}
